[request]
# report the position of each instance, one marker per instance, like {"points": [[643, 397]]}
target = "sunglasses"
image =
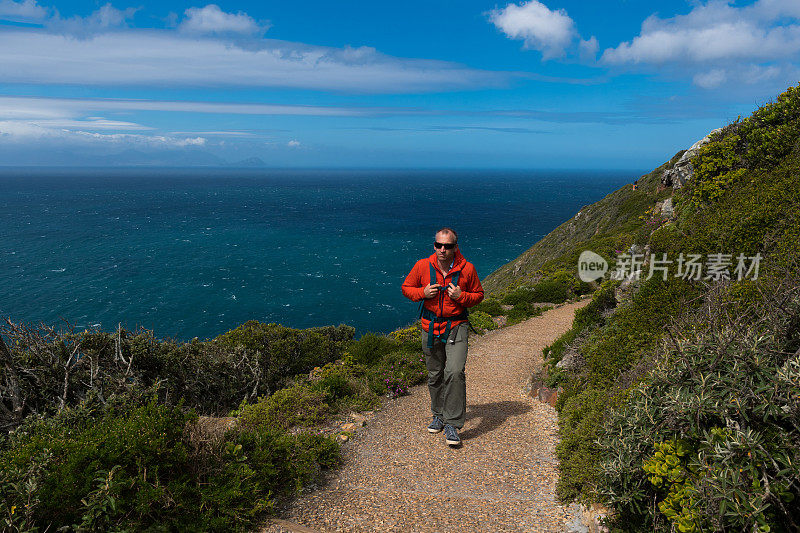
{"points": [[445, 245]]}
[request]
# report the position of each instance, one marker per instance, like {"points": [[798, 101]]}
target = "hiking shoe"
{"points": [[451, 436], [436, 425]]}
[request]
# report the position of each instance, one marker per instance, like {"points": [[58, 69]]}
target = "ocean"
{"points": [[196, 252]]}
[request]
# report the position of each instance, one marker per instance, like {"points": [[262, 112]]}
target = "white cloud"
{"points": [[65, 122], [104, 19], [216, 133], [148, 140], [27, 131], [749, 74], [293, 144], [709, 80], [211, 19], [739, 39], [588, 48], [717, 41], [18, 130], [92, 123], [18, 107], [23, 11], [164, 57], [774, 9], [756, 73], [550, 32]]}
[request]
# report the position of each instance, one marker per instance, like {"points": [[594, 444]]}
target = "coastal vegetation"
{"points": [[125, 432], [679, 396], [527, 301], [679, 405]]}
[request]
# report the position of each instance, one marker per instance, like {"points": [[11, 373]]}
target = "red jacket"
{"points": [[468, 282]]}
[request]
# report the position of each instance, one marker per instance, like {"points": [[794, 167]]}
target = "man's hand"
{"points": [[431, 290], [454, 291]]}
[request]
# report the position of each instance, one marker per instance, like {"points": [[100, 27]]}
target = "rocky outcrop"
{"points": [[573, 359], [683, 171], [586, 519], [667, 209]]}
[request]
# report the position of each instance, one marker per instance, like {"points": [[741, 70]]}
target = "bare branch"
{"points": [[13, 381]]}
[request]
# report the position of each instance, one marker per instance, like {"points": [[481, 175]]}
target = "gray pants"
{"points": [[446, 378]]}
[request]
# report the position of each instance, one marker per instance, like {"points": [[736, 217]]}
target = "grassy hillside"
{"points": [[680, 403], [611, 224]]}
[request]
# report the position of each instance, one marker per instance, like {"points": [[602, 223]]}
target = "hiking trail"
{"points": [[398, 477]]}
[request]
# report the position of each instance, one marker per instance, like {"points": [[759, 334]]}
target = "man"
{"points": [[447, 284]]}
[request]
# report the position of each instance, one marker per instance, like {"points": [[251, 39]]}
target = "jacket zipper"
{"points": [[441, 295]]}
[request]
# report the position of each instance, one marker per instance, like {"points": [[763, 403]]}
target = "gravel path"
{"points": [[398, 477]]}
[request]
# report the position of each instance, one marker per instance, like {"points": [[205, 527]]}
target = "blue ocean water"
{"points": [[197, 252]]}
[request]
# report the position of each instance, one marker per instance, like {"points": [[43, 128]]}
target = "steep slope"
{"points": [[702, 442], [610, 224]]}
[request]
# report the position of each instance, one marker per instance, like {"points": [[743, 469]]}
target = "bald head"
{"points": [[448, 231]]}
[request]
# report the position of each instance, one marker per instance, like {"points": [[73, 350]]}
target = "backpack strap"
{"points": [[422, 309], [434, 320]]}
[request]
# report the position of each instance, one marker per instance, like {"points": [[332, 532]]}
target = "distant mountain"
{"points": [[250, 162]]}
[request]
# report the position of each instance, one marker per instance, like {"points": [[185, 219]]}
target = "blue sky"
{"points": [[560, 84]]}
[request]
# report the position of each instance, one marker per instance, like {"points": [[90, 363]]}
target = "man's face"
{"points": [[444, 255]]}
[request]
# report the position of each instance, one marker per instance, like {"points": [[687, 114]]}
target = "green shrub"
{"points": [[481, 321], [370, 348], [667, 239], [518, 295], [213, 377], [144, 447], [566, 278], [339, 335], [585, 288], [580, 418], [555, 292], [284, 352], [635, 327], [297, 405], [523, 311], [556, 288], [396, 372], [742, 296], [490, 306], [337, 382], [542, 292], [346, 387], [208, 376], [285, 463], [759, 214], [408, 337], [135, 467], [713, 434], [760, 141], [586, 318], [20, 489], [612, 351]]}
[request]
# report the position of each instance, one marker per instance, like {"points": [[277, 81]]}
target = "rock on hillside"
{"points": [[682, 170]]}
